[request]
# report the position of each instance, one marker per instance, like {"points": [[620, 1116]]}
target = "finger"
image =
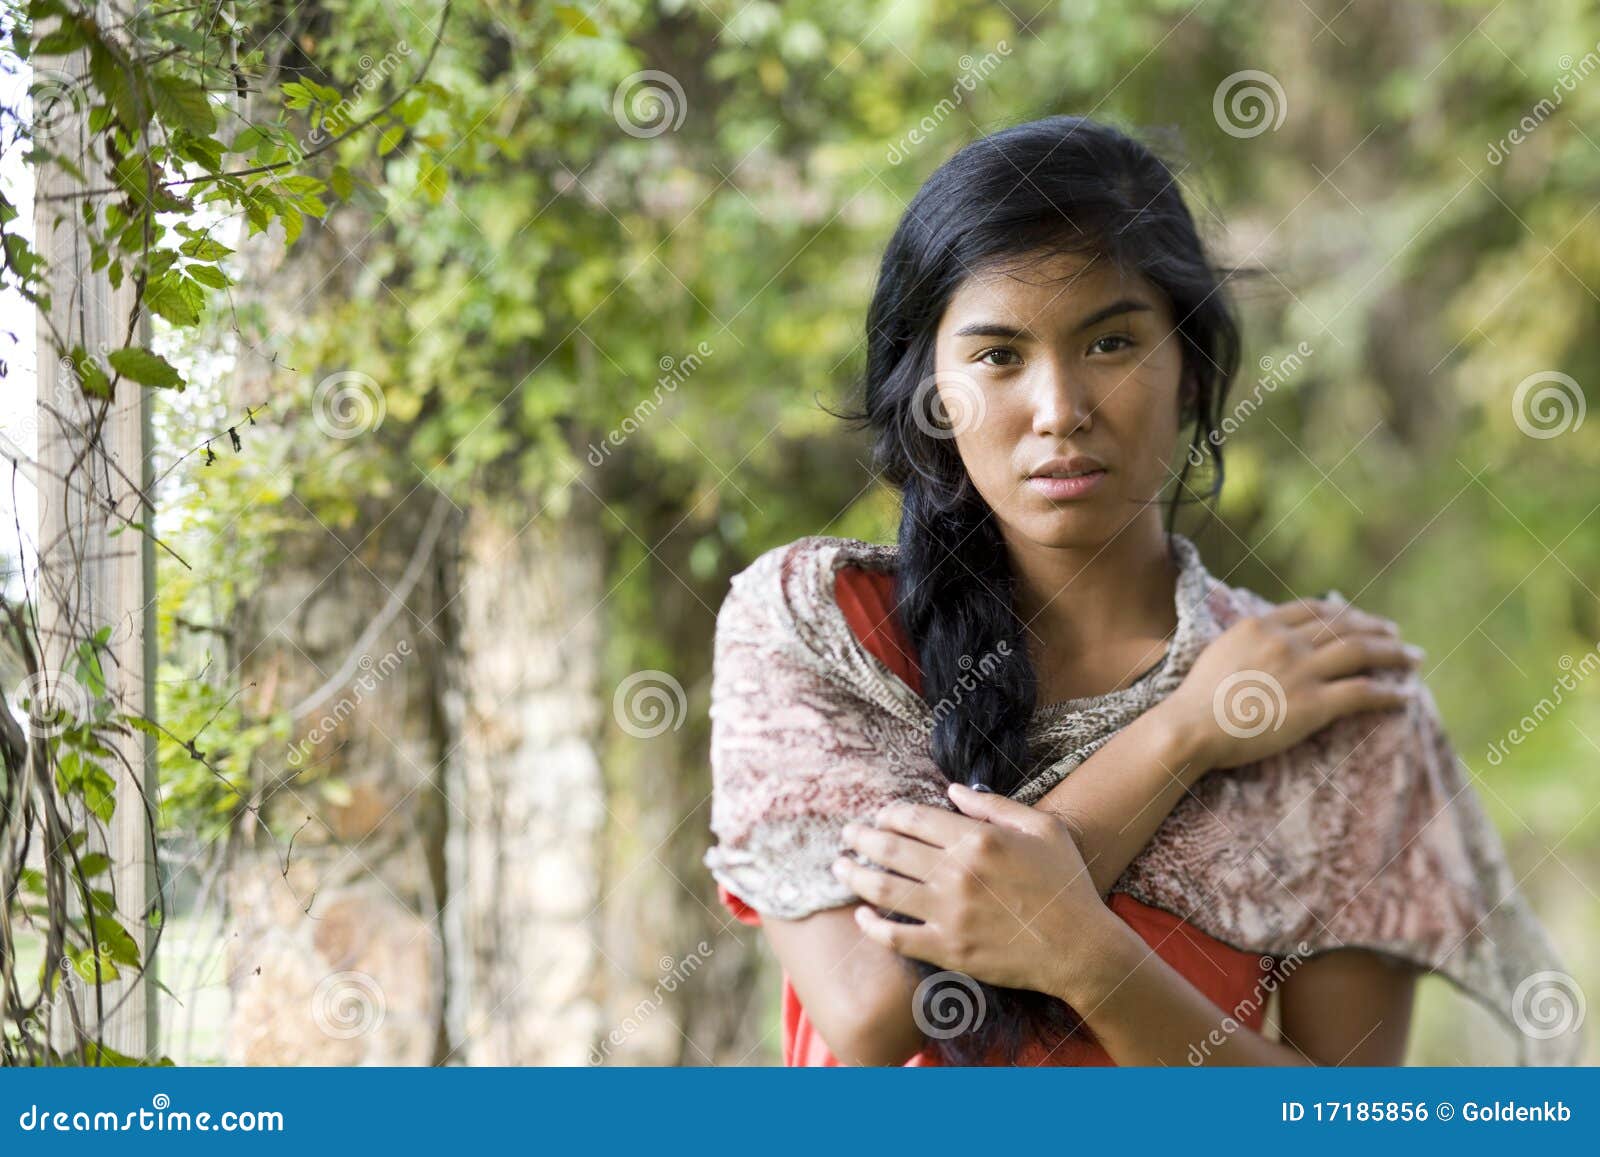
{"points": [[995, 808], [1292, 613], [883, 889], [1363, 653], [1365, 693], [898, 853], [1343, 619], [917, 941], [932, 825]]}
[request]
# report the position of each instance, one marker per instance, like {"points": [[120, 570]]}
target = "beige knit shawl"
{"points": [[1367, 834]]}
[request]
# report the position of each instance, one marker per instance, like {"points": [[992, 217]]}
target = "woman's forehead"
{"points": [[1043, 290]]}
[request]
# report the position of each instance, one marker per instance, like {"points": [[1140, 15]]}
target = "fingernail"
{"points": [[849, 830], [837, 868], [1415, 651], [980, 787]]}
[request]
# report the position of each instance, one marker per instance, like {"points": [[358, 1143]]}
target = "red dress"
{"points": [[1229, 978]]}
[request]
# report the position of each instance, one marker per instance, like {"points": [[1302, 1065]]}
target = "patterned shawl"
{"points": [[1367, 834]]}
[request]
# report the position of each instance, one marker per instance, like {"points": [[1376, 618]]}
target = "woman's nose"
{"points": [[1061, 407]]}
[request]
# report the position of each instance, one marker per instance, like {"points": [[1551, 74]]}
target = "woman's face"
{"points": [[1052, 360]]}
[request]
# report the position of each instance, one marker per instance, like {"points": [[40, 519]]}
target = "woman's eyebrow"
{"points": [[1126, 305], [999, 329]]}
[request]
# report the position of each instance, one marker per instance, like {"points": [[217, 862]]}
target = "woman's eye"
{"points": [[1001, 351], [1099, 345]]}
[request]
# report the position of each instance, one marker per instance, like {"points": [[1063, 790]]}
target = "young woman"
{"points": [[1047, 339]]}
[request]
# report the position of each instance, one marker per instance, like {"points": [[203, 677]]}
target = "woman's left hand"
{"points": [[1001, 889]]}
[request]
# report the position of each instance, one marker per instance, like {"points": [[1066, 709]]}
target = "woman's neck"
{"points": [[1094, 598]]}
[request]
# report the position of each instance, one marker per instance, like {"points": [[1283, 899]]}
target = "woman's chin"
{"points": [[1067, 527]]}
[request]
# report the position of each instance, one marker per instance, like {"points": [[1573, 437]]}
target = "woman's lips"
{"points": [[1058, 489]]}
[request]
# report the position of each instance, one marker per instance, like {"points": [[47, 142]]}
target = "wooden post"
{"points": [[88, 579]]}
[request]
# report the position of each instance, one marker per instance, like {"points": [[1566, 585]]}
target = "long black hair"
{"points": [[1063, 184]]}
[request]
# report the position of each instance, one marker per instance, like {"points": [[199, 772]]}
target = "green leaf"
{"points": [[111, 77], [301, 184], [166, 297], [146, 368], [185, 106], [343, 183], [100, 794], [204, 249], [390, 140], [61, 41], [89, 672], [93, 864], [116, 943], [140, 723], [208, 275]]}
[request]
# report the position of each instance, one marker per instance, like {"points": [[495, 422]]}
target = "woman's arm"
{"points": [[1117, 799], [1005, 896], [859, 994], [1350, 1007]]}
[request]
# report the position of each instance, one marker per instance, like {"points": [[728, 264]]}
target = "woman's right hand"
{"points": [[1270, 680]]}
